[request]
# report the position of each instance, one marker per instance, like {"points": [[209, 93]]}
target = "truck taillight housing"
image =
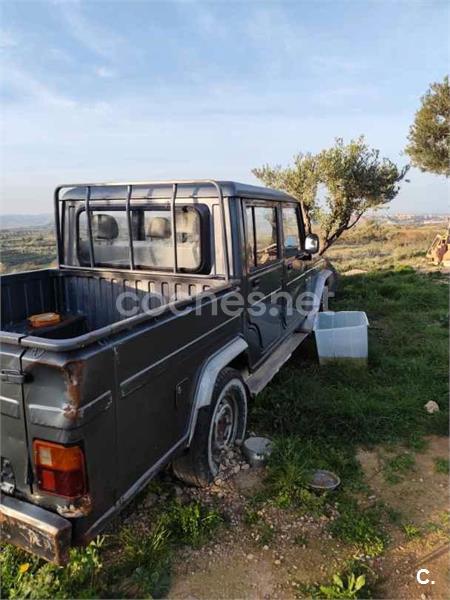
{"points": [[60, 469]]}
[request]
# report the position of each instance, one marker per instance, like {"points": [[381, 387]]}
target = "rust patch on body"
{"points": [[78, 508], [73, 374]]}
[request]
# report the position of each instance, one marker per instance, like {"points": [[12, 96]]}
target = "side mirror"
{"points": [[312, 243]]}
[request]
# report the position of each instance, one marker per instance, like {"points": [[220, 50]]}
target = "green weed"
{"points": [[137, 563], [395, 468], [394, 516], [411, 531], [344, 587], [25, 576], [191, 523], [442, 465], [145, 560], [362, 528]]}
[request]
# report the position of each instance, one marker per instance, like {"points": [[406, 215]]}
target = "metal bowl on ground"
{"points": [[257, 450], [324, 481]]}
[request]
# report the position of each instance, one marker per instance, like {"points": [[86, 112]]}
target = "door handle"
{"points": [[256, 282], [12, 376]]}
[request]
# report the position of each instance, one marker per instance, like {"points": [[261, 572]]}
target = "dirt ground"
{"points": [[422, 498], [292, 551]]}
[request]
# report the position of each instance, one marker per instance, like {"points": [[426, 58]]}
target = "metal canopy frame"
{"points": [[174, 184]]}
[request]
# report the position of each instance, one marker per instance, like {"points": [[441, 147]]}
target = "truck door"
{"points": [[14, 453], [294, 284], [264, 276]]}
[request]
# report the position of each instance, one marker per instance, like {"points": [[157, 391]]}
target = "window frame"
{"points": [[255, 203], [205, 246], [300, 225]]}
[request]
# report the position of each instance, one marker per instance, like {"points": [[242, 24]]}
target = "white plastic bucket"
{"points": [[341, 336]]}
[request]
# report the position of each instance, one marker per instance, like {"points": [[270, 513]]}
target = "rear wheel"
{"points": [[219, 426]]}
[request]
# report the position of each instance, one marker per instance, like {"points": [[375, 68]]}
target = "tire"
{"points": [[219, 426]]}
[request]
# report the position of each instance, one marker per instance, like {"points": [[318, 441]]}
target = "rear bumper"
{"points": [[35, 530]]}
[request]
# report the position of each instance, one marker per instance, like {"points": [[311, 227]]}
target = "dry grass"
{"points": [[372, 246]]}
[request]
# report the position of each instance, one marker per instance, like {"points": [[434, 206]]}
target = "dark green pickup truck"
{"points": [[137, 351]]}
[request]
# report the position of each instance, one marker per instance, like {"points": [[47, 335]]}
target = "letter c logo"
{"points": [[419, 578]]}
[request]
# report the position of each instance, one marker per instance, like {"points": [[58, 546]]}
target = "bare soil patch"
{"points": [[240, 563], [421, 499]]}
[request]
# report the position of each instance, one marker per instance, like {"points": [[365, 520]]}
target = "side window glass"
{"points": [[290, 231], [266, 235]]}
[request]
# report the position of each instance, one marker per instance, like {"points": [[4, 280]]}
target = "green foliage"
{"points": [[301, 180], [442, 465], [147, 559], [354, 175], [290, 466], [135, 563], [344, 587], [394, 516], [360, 527], [429, 134], [287, 471], [411, 531], [328, 411], [24, 576], [357, 180], [191, 523], [396, 467]]}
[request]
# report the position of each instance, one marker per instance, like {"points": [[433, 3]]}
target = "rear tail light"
{"points": [[60, 469]]}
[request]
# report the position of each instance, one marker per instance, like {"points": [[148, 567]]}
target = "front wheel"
{"points": [[219, 426]]}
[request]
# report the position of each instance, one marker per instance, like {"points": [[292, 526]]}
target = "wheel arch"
{"points": [[231, 355], [320, 282]]}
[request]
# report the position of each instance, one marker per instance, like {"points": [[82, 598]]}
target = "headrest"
{"points": [[159, 227], [104, 227], [187, 222]]}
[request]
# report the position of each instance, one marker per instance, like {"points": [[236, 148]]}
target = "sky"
{"points": [[140, 90]]}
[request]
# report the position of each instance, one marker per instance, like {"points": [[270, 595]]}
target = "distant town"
{"points": [[411, 218]]}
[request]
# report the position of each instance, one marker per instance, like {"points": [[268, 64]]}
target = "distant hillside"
{"points": [[15, 221]]}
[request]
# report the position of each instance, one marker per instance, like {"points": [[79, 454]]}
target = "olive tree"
{"points": [[355, 179], [299, 180], [428, 137]]}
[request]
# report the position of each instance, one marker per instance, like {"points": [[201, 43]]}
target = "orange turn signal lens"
{"points": [[60, 469]]}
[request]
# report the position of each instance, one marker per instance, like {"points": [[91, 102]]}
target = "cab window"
{"points": [[291, 231], [151, 238], [262, 235]]}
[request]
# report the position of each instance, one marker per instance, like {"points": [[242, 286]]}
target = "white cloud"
{"points": [[91, 36], [27, 86], [105, 72]]}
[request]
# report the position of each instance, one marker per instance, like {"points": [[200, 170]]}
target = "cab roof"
{"points": [[163, 190]]}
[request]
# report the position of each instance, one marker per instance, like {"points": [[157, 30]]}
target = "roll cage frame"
{"points": [[60, 218]]}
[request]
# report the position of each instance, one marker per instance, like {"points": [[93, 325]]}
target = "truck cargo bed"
{"points": [[88, 300]]}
